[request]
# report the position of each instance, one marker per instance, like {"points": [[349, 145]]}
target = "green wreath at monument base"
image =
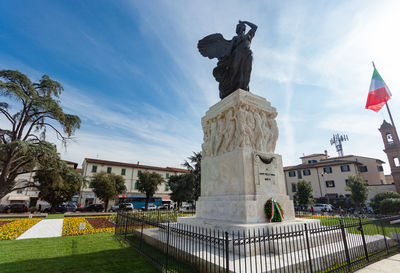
{"points": [[273, 211]]}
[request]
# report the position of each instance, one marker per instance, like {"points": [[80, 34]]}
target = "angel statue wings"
{"points": [[234, 58]]}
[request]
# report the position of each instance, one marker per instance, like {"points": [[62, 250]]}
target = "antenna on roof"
{"points": [[337, 140]]}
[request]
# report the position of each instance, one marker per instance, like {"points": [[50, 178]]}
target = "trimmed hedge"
{"points": [[390, 206], [376, 201]]}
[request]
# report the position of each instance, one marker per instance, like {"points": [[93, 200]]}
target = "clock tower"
{"points": [[392, 150]]}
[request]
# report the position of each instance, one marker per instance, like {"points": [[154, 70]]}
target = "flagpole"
{"points": [[391, 120], [390, 115]]}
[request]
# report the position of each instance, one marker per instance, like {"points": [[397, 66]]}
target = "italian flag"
{"points": [[378, 94]]}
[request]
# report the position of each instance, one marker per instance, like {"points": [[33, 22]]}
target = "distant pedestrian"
{"points": [[312, 209]]}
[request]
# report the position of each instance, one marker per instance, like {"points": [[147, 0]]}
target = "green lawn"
{"points": [[159, 256], [369, 229], [86, 253], [55, 216]]}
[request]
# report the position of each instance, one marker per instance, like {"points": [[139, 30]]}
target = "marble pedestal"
{"points": [[239, 169]]}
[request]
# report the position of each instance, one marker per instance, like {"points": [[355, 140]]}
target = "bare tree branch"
{"points": [[8, 116], [58, 132], [20, 165], [24, 187]]}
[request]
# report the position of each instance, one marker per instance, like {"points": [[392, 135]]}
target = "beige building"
{"points": [[329, 175], [27, 196], [130, 174]]}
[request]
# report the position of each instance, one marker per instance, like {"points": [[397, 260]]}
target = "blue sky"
{"points": [[132, 72]]}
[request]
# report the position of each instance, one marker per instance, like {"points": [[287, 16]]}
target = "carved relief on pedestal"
{"points": [[242, 125]]}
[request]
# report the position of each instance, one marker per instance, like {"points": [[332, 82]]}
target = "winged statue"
{"points": [[234, 56]]}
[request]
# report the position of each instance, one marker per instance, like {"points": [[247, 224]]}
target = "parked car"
{"points": [[114, 208], [92, 207], [298, 208], [126, 207], [72, 207], [187, 206], [61, 208], [3, 208], [150, 207], [321, 207], [164, 207], [16, 208]]}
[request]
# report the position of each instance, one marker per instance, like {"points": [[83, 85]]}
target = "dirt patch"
{"points": [[4, 222], [100, 223]]}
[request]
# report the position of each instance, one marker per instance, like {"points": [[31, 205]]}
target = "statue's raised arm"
{"points": [[234, 58], [252, 30]]}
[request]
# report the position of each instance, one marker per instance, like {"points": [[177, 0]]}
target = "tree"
{"points": [[148, 184], [194, 167], [304, 193], [358, 188], [22, 145], [58, 183], [107, 185], [380, 197], [183, 187]]}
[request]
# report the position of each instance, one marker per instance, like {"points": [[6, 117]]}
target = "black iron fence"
{"points": [[326, 244], [343, 214]]}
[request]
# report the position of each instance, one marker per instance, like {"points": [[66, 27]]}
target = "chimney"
{"points": [[326, 153], [138, 163]]}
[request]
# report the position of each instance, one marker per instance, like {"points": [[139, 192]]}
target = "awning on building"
{"points": [[165, 198], [18, 198]]}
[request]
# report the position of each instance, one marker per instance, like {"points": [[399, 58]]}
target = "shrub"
{"points": [[33, 209], [390, 206], [268, 211], [376, 201]]}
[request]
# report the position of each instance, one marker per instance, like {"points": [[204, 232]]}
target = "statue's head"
{"points": [[240, 28]]}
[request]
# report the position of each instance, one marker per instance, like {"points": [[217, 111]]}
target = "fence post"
{"points": [[126, 224], [346, 248], [361, 229], [141, 233], [116, 224], [384, 237], [227, 251], [166, 253], [308, 246]]}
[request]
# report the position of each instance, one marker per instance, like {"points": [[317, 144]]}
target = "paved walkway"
{"points": [[44, 229], [388, 265]]}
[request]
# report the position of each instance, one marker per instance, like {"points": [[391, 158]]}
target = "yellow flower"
{"points": [[16, 227], [72, 226]]}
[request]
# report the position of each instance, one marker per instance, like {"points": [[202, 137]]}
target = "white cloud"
{"points": [[318, 51]]}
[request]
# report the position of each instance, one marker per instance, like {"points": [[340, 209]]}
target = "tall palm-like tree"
{"points": [[194, 166]]}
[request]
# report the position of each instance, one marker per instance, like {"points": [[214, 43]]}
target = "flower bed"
{"points": [[12, 228], [91, 225], [4, 222]]}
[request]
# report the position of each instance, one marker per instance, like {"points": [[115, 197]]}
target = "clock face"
{"points": [[389, 137]]}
